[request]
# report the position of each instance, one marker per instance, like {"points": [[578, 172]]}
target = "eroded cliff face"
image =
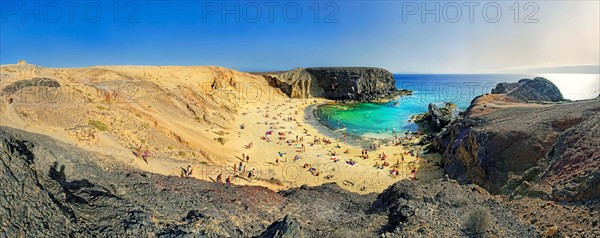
{"points": [[526, 149], [337, 83]]}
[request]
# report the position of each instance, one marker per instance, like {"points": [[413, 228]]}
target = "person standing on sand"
{"points": [[146, 155], [240, 168], [234, 169], [219, 178], [139, 152], [189, 171], [247, 158], [228, 180]]}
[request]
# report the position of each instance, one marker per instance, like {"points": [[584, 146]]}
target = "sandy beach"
{"points": [[184, 116], [276, 157]]}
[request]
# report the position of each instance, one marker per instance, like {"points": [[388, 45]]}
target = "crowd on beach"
{"points": [[284, 131], [281, 134]]}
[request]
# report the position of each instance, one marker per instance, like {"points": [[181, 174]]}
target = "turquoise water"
{"points": [[384, 119]]}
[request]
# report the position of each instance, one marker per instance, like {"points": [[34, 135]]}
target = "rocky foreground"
{"points": [[51, 189]]}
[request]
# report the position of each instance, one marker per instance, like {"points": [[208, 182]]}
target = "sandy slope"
{"points": [[191, 115]]}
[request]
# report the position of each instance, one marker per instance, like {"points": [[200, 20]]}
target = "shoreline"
{"points": [[347, 167], [324, 129]]}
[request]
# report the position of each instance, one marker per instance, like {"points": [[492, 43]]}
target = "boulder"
{"points": [[288, 227], [436, 118]]}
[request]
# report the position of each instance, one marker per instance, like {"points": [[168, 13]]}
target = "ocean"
{"points": [[381, 120]]}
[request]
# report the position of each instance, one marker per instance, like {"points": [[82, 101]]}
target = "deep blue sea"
{"points": [[381, 120]]}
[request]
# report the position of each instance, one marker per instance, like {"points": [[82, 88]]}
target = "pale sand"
{"points": [[362, 177], [179, 122]]}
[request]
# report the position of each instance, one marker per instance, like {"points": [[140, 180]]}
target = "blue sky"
{"points": [[346, 33]]}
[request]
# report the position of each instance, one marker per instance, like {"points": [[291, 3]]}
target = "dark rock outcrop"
{"points": [[439, 209], [537, 89], [286, 228], [35, 82], [338, 83], [436, 118]]}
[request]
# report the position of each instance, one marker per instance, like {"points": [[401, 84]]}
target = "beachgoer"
{"points": [[189, 172], [219, 178], [146, 155], [228, 180]]}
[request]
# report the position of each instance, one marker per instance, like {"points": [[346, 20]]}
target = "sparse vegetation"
{"points": [[99, 125], [145, 125], [479, 220], [170, 147], [102, 107], [181, 153], [460, 201], [220, 140], [221, 133]]}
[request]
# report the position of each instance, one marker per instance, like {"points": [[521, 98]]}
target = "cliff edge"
{"points": [[337, 83]]}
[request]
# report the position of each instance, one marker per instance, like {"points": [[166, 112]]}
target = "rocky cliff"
{"points": [[537, 89], [338, 83], [541, 150]]}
